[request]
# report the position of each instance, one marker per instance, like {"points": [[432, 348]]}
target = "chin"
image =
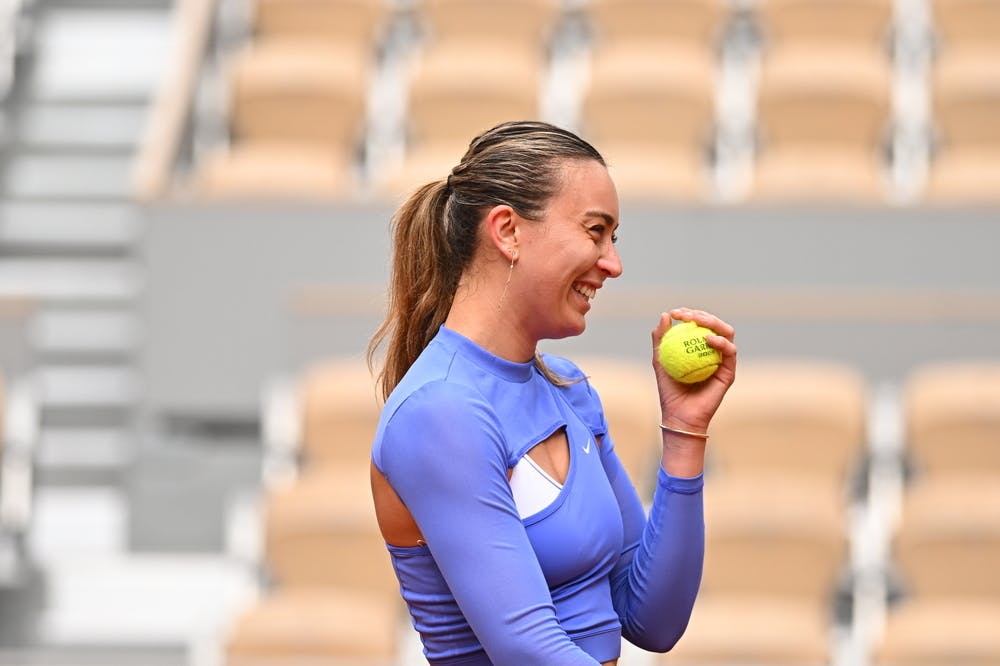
{"points": [[570, 331]]}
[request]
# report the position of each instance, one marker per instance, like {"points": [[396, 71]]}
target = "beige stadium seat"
{"points": [[650, 110], [753, 631], [805, 417], [313, 627], [425, 162], [966, 98], [260, 170], [696, 22], [327, 21], [946, 550], [952, 417], [810, 173], [631, 407], [966, 23], [458, 92], [823, 95], [948, 541], [300, 92], [942, 632], [965, 175], [864, 24], [659, 95], [523, 23], [340, 411], [320, 531], [822, 119], [657, 174], [776, 534]]}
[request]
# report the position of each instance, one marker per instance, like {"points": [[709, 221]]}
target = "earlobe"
{"points": [[502, 223]]}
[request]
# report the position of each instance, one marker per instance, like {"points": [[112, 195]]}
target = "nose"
{"points": [[610, 262]]}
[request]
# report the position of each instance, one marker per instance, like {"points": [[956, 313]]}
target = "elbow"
{"points": [[653, 640]]}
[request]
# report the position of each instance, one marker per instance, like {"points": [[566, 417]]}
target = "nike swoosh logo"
{"points": [[586, 449]]}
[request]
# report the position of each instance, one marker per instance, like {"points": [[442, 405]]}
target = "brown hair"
{"points": [[435, 231]]}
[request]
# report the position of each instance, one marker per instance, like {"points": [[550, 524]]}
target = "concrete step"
{"points": [[77, 332], [93, 656], [82, 387], [71, 280], [96, 52], [86, 177], [84, 456], [68, 228], [71, 522], [79, 127], [143, 600]]}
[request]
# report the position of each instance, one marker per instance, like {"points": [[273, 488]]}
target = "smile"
{"points": [[585, 291]]}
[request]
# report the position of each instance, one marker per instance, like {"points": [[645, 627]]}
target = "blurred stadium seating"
{"points": [[824, 110], [322, 555], [182, 334], [785, 448], [946, 542]]}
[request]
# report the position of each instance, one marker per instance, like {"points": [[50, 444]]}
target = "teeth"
{"points": [[585, 291]]}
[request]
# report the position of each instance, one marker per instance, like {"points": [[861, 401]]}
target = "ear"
{"points": [[503, 229]]}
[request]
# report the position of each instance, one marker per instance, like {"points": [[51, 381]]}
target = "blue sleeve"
{"points": [[656, 579], [444, 455]]}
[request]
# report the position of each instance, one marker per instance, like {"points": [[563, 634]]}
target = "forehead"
{"points": [[586, 188]]}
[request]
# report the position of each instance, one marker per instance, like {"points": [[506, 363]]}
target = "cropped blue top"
{"points": [[561, 586]]}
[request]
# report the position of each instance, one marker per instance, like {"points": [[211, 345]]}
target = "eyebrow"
{"points": [[599, 213]]}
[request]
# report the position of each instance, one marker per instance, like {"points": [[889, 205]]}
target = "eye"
{"points": [[601, 230]]}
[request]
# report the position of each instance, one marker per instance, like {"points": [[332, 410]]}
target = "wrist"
{"points": [[683, 432], [671, 422], [683, 450]]}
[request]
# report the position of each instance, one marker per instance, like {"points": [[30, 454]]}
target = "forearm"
{"points": [[655, 592]]}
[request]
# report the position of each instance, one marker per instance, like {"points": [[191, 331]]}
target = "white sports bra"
{"points": [[532, 487]]}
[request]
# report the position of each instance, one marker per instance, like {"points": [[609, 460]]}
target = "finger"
{"points": [[662, 327], [728, 351], [722, 344], [706, 319]]}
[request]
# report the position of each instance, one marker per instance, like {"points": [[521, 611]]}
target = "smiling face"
{"points": [[566, 257]]}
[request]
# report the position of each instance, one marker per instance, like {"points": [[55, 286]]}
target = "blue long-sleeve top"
{"points": [[561, 586]]}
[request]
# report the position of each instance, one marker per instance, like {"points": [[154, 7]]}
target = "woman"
{"points": [[515, 534]]}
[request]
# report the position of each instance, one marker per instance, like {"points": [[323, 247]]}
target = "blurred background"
{"points": [[194, 208]]}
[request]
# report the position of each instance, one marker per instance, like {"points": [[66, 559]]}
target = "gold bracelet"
{"points": [[699, 435]]}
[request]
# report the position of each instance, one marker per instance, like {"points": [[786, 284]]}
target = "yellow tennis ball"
{"points": [[685, 355]]}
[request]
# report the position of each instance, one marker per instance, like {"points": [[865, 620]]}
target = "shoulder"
{"points": [[578, 391], [434, 405], [437, 418]]}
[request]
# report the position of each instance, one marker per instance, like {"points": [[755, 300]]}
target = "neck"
{"points": [[474, 314]]}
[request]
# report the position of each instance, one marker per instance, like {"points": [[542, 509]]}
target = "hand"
{"points": [[691, 406]]}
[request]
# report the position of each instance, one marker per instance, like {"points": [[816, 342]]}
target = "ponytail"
{"points": [[421, 285]]}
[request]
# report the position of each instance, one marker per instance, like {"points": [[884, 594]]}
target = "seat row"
{"points": [[796, 493], [321, 106]]}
